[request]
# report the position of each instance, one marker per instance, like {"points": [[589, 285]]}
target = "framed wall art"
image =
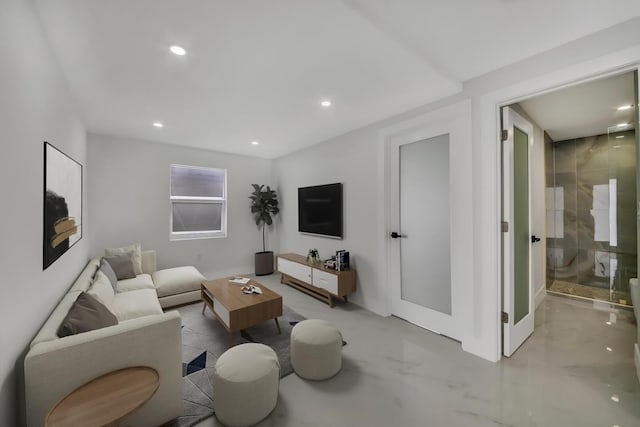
{"points": [[62, 225]]}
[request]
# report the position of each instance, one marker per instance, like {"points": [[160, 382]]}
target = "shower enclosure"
{"points": [[591, 216]]}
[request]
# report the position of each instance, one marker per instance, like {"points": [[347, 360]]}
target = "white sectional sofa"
{"points": [[143, 336]]}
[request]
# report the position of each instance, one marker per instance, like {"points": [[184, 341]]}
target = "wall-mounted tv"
{"points": [[320, 210]]}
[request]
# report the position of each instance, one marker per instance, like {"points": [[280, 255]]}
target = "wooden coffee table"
{"points": [[237, 310]]}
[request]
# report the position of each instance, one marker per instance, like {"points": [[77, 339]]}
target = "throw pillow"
{"points": [[101, 290], [136, 252], [122, 265], [86, 314], [105, 267]]}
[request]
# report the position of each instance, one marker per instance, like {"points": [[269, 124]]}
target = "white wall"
{"points": [[129, 199], [357, 159], [35, 106], [351, 159]]}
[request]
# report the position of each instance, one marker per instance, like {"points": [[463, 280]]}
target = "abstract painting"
{"points": [[62, 226]]}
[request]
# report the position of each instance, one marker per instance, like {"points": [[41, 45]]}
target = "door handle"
{"points": [[534, 239], [395, 235]]}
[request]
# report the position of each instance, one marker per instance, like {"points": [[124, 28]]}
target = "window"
{"points": [[198, 202]]}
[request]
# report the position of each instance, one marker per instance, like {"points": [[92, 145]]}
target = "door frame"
{"points": [[495, 101], [455, 120]]}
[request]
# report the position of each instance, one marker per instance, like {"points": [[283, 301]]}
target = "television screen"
{"points": [[320, 210]]}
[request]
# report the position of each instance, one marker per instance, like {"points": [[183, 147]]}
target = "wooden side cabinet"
{"points": [[314, 279]]}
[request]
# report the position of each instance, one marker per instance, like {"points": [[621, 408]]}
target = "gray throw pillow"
{"points": [[105, 267], [122, 265], [86, 314]]}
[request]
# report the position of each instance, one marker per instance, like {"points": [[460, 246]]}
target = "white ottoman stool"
{"points": [[245, 379], [316, 349], [177, 285]]}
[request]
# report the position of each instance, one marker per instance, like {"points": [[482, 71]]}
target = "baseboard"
{"points": [[637, 360], [540, 295]]}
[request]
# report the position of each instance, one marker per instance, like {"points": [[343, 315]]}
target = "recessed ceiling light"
{"points": [[254, 143], [158, 124], [178, 50], [325, 103], [625, 107], [619, 136], [615, 398], [609, 349], [621, 125]]}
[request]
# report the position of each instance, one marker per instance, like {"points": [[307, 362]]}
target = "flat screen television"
{"points": [[320, 210]]}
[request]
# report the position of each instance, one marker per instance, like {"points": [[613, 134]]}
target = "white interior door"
{"points": [[424, 293], [518, 295]]}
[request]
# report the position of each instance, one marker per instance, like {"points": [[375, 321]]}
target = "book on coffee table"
{"points": [[239, 280]]}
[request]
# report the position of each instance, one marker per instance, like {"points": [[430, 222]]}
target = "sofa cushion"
{"points": [[101, 290], [177, 280], [122, 265], [85, 278], [136, 255], [105, 267], [86, 314], [141, 281], [134, 304], [49, 330]]}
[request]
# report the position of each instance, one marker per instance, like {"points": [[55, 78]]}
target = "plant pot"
{"points": [[264, 263]]}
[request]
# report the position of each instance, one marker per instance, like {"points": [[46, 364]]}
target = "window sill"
{"points": [[196, 236]]}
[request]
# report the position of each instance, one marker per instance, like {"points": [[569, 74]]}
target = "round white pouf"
{"points": [[316, 349], [245, 382]]}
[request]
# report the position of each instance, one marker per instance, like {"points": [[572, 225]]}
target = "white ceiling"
{"points": [[257, 70], [586, 109]]}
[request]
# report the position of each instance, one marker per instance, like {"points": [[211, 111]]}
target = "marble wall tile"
{"points": [[584, 168], [622, 151], [564, 156], [592, 152]]}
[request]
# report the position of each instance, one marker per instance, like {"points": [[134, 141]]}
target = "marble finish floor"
{"points": [[575, 370]]}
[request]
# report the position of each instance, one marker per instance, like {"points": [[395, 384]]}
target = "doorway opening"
{"points": [[583, 191]]}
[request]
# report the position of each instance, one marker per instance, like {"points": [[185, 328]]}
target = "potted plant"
{"points": [[264, 205]]}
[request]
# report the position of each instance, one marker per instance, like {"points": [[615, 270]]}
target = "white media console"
{"points": [[314, 279]]}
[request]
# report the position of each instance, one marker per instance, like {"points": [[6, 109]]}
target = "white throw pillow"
{"points": [[136, 255], [102, 290]]}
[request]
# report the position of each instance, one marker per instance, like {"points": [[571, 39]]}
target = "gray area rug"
{"points": [[204, 340]]}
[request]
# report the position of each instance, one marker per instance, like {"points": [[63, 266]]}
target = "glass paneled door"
{"points": [[425, 293], [517, 237]]}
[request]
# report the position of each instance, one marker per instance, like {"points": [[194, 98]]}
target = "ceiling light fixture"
{"points": [[158, 124], [178, 50], [326, 103], [254, 143], [625, 107], [619, 136], [621, 125]]}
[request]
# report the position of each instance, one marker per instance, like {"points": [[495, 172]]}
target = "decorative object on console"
{"points": [[62, 219], [313, 255], [264, 205], [342, 260]]}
